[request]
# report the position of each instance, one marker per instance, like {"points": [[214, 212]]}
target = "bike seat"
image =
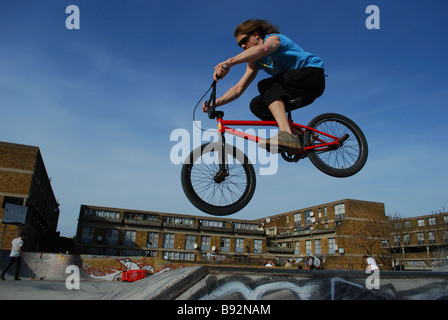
{"points": [[292, 105], [295, 103]]}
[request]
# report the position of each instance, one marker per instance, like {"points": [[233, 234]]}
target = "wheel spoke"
{"points": [[220, 194]]}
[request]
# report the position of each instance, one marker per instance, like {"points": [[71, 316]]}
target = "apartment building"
{"points": [[419, 242], [325, 231]]}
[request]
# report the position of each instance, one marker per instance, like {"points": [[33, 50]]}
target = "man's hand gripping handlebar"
{"points": [[211, 103]]}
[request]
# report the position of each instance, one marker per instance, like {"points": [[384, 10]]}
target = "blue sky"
{"points": [[101, 102]]}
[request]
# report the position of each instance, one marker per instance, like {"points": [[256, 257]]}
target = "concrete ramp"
{"points": [[172, 281], [47, 266], [233, 283], [52, 266]]}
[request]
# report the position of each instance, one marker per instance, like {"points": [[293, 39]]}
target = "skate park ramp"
{"points": [[172, 281], [48, 266], [236, 283]]}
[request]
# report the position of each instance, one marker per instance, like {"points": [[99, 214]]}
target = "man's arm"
{"points": [[255, 53], [19, 248], [237, 90], [250, 55]]}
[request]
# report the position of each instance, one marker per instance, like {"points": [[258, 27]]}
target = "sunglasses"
{"points": [[244, 39]]}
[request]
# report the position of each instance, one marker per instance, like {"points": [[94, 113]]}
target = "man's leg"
{"points": [[284, 139], [11, 261], [19, 263], [277, 109]]}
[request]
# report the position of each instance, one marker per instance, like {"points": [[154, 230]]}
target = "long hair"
{"points": [[263, 27]]}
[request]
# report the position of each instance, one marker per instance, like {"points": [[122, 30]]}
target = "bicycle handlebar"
{"points": [[211, 103]]}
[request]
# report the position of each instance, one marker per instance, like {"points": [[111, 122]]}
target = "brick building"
{"points": [[339, 232], [24, 182], [419, 242]]}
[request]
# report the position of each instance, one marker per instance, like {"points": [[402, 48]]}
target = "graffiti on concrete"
{"points": [[238, 287], [112, 268]]}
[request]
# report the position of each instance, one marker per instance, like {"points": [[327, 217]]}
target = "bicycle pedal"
{"points": [[292, 157]]}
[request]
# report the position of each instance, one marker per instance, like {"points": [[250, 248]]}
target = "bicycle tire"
{"points": [[344, 161], [200, 187]]}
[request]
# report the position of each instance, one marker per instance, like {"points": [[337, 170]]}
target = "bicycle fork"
{"points": [[223, 165]]}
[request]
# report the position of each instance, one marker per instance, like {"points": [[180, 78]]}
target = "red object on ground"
{"points": [[133, 275]]}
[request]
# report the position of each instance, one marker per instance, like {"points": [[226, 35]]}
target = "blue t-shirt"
{"points": [[288, 57]]}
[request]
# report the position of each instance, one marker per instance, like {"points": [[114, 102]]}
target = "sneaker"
{"points": [[17, 279], [282, 140], [2, 277]]}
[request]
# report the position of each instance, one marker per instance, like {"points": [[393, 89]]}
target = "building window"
{"points": [[190, 240], [325, 213], [106, 214], [257, 246], [205, 243], [178, 220], [308, 247], [331, 245], [168, 240], [239, 245], [317, 246], [307, 216], [406, 239], [141, 216], [245, 226], [129, 238], [421, 222], [420, 238], [431, 237], [112, 237], [432, 221], [297, 219], [213, 223], [396, 239], [225, 244], [87, 234], [407, 224], [168, 255], [153, 240], [339, 211], [151, 253], [297, 247]]}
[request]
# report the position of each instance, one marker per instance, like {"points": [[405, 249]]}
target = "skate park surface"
{"points": [[99, 279]]}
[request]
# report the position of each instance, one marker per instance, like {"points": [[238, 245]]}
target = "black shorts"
{"points": [[308, 83]]}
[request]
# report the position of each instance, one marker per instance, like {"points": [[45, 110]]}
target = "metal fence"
{"points": [[441, 258]]}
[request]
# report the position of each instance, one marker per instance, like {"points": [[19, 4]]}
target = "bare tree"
{"points": [[396, 239], [370, 237]]}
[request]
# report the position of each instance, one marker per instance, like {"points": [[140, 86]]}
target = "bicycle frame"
{"points": [[321, 147], [223, 127]]}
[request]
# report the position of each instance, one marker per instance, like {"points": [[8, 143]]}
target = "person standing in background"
{"points": [[15, 256]]}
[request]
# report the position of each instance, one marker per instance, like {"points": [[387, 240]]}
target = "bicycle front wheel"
{"points": [[208, 188], [344, 161]]}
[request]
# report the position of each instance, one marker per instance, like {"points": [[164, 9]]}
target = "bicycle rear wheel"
{"points": [[213, 194], [344, 161]]}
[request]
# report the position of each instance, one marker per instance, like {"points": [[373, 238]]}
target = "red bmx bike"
{"points": [[219, 179]]}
